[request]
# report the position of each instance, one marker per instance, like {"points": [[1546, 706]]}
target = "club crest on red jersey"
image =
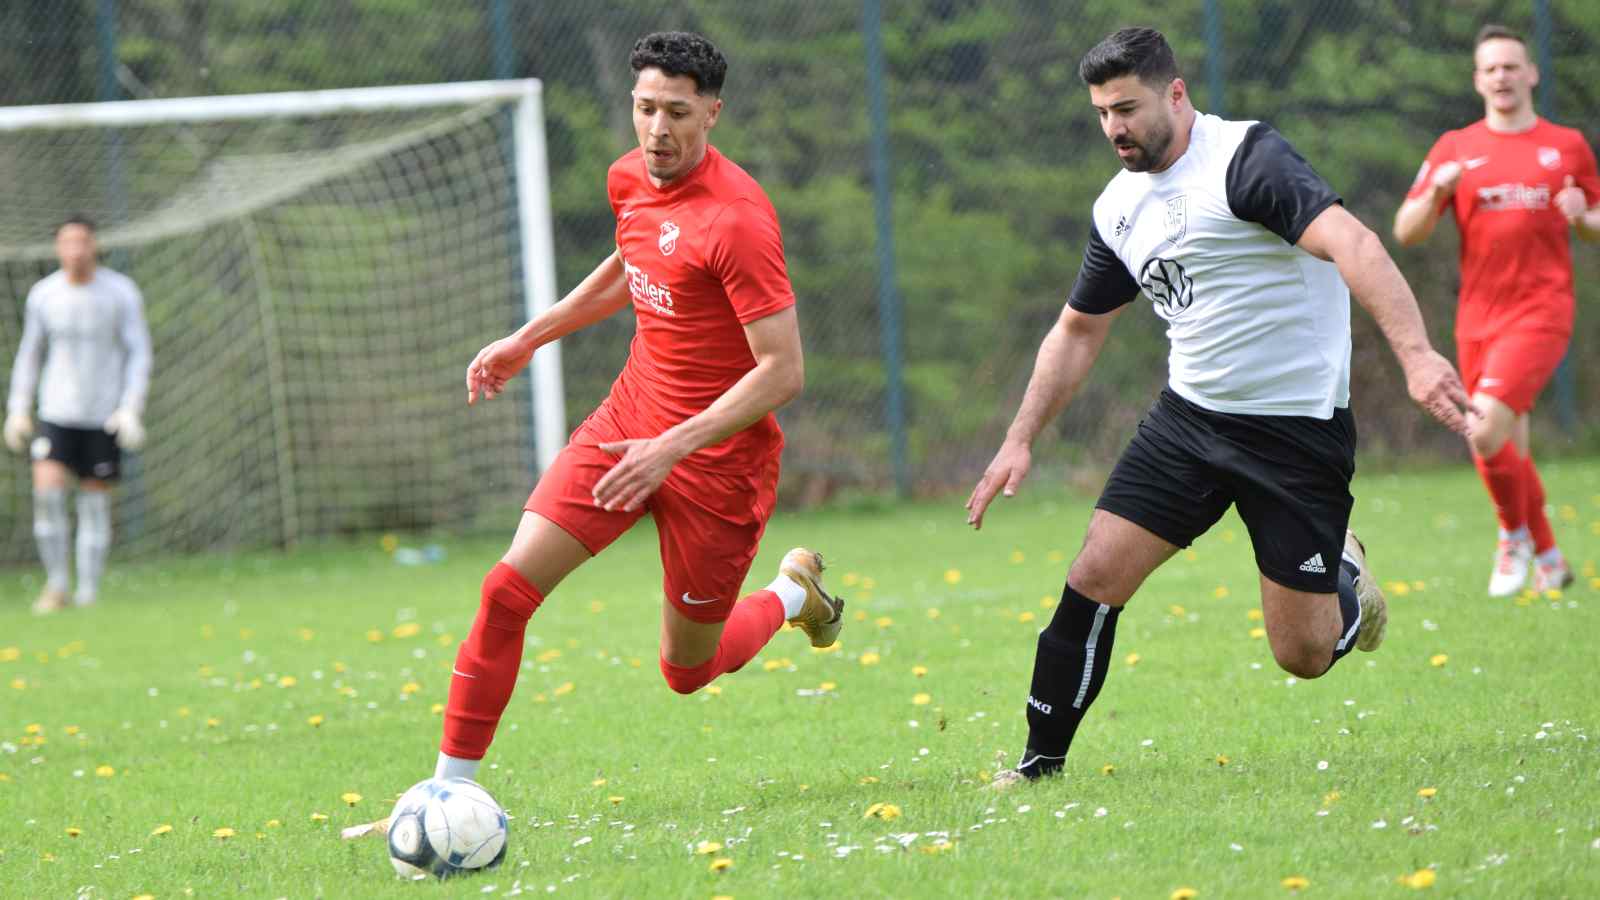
{"points": [[1549, 157], [668, 241]]}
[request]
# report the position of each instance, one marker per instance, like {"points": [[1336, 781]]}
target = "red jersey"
{"points": [[1516, 254], [703, 257]]}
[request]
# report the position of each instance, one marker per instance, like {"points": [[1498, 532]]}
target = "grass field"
{"points": [[262, 693]]}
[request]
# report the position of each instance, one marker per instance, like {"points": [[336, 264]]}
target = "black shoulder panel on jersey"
{"points": [[1272, 185], [1104, 283]]}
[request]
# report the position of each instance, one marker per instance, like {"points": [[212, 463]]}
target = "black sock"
{"points": [[1349, 610], [1070, 665]]}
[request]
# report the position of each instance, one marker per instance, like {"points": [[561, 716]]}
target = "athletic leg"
{"points": [[51, 532], [1310, 631], [94, 538]]}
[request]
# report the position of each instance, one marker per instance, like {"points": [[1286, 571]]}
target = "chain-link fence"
{"points": [[918, 354]]}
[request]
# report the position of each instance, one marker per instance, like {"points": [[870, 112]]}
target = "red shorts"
{"points": [[709, 522], [1513, 366]]}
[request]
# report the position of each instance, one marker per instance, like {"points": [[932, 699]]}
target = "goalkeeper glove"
{"points": [[125, 425], [19, 426]]}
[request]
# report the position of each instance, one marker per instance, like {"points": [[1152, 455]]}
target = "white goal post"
{"points": [[244, 154]]}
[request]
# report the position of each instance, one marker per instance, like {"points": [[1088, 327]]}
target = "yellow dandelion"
{"points": [[274, 823], [940, 847], [1222, 760], [288, 681], [1185, 893], [615, 799], [1132, 659], [1421, 878], [1047, 602], [47, 857], [318, 817], [410, 687], [1025, 617], [884, 811], [706, 848], [869, 779], [714, 690], [316, 721], [1330, 798], [1220, 592], [827, 686], [71, 730], [1108, 769], [340, 667], [919, 671], [933, 612], [598, 782], [104, 772], [1295, 883], [1438, 659], [73, 831], [952, 576], [246, 634], [160, 830], [921, 699], [861, 614], [10, 654], [144, 897], [721, 863], [33, 728], [213, 722], [407, 630], [1427, 792], [563, 689], [883, 621], [223, 834], [306, 634], [1257, 633], [17, 684], [436, 709], [374, 635], [389, 543], [1017, 557], [870, 658], [1253, 615], [4, 778], [772, 665], [1177, 610], [446, 639], [351, 798]]}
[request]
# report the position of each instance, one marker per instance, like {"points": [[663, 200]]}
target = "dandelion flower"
{"points": [[827, 686], [1421, 878], [104, 772], [1132, 659], [436, 709], [883, 621], [410, 687], [721, 863], [919, 671], [615, 799], [73, 831], [933, 612], [160, 830], [714, 690], [1108, 769], [318, 817], [316, 721], [223, 834], [1258, 633], [1295, 883], [1253, 615], [952, 576], [351, 798], [922, 699], [706, 848], [1221, 760], [1025, 617], [870, 658], [1427, 792], [1185, 893], [1438, 659], [598, 782], [274, 823], [407, 629], [566, 687], [884, 811]]}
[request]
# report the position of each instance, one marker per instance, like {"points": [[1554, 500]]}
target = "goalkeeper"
{"points": [[86, 352]]}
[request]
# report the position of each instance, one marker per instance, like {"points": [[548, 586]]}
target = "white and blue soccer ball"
{"points": [[444, 827]]}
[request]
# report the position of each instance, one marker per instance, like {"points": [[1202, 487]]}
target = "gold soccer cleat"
{"points": [[1374, 609], [822, 616]]}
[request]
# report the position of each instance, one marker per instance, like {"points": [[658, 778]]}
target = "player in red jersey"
{"points": [[1518, 184], [687, 433]]}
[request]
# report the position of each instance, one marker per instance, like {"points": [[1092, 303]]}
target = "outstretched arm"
{"points": [[24, 378], [1376, 283], [1063, 362], [777, 378], [599, 295]]}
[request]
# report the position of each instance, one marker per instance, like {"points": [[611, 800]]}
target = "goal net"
{"points": [[318, 269]]}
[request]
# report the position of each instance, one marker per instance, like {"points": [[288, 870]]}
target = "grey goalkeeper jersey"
{"points": [[85, 349]]}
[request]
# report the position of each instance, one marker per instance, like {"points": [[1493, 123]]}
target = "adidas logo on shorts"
{"points": [[1314, 565]]}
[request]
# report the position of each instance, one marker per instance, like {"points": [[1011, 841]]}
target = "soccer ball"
{"points": [[444, 827]]}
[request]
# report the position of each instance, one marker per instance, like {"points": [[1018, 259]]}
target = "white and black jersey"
{"points": [[85, 348], [1258, 326]]}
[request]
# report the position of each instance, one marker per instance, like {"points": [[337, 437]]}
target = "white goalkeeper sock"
{"points": [[94, 542], [450, 767], [50, 531]]}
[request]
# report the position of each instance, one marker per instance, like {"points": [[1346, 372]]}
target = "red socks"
{"points": [[755, 619], [1505, 475], [486, 665], [1533, 497]]}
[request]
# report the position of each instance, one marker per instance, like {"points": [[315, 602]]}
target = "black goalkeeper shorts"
{"points": [[88, 452]]}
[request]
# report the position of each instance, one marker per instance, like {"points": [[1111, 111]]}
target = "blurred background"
{"points": [[316, 289]]}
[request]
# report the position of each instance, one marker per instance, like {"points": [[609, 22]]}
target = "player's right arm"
{"points": [[25, 375], [598, 296], [1068, 352], [1430, 194]]}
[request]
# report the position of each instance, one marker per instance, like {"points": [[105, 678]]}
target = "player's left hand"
{"points": [[125, 426], [1435, 386], [645, 464], [1572, 202]]}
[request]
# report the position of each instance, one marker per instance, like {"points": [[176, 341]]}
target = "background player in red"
{"points": [[687, 432], [1517, 185]]}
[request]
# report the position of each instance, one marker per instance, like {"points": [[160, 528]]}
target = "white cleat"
{"points": [[1006, 779], [1554, 577], [822, 616], [1374, 608], [1511, 563], [49, 601]]}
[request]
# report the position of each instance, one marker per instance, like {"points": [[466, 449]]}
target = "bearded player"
{"points": [[1518, 185], [687, 433]]}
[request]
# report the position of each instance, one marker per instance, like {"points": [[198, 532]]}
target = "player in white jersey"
{"points": [[86, 352], [1247, 254]]}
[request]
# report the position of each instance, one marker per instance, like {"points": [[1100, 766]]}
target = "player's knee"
{"points": [[507, 600], [1302, 659], [1100, 582], [686, 680]]}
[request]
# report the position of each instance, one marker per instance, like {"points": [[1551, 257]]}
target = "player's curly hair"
{"points": [[1130, 51], [681, 53]]}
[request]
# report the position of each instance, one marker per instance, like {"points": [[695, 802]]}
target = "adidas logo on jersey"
{"points": [[1314, 565], [1122, 227]]}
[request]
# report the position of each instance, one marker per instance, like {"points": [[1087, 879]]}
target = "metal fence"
{"points": [[933, 163]]}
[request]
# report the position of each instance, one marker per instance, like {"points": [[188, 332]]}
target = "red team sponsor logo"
{"points": [[668, 241], [652, 294]]}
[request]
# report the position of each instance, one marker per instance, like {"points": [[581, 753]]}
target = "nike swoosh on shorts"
{"points": [[693, 602]]}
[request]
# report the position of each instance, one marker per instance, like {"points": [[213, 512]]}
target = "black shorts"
{"points": [[88, 452], [1290, 476]]}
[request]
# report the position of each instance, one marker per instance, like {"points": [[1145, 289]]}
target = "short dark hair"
{"points": [[1493, 32], [681, 53], [1130, 51], [77, 219]]}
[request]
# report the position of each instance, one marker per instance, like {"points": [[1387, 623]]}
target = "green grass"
{"points": [[180, 683]]}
